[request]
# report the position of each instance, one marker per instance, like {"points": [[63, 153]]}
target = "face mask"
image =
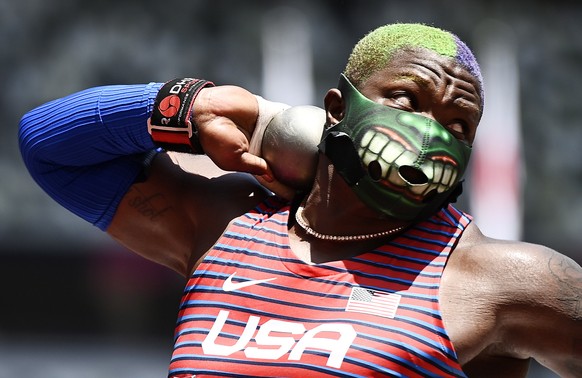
{"points": [[401, 164]]}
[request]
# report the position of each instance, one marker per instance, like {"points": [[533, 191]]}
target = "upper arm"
{"points": [[545, 318], [181, 209], [562, 350]]}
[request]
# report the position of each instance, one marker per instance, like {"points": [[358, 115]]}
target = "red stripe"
{"points": [[335, 287], [170, 137]]}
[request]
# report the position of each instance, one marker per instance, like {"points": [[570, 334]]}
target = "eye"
{"points": [[403, 100], [459, 130]]}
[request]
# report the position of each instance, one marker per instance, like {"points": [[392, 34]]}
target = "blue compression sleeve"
{"points": [[85, 150]]}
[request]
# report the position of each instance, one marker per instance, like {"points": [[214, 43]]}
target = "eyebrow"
{"points": [[464, 94], [420, 73], [421, 81], [468, 105], [463, 90]]}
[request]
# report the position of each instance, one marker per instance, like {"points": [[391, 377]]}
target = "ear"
{"points": [[334, 106]]}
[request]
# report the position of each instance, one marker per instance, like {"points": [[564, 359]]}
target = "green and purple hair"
{"points": [[374, 51]]}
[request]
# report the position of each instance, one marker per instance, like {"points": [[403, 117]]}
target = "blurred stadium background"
{"points": [[74, 304]]}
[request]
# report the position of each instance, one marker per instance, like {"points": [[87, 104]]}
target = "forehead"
{"points": [[428, 69]]}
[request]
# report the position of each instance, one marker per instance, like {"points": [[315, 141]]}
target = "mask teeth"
{"points": [[431, 187], [452, 178], [447, 175], [380, 145], [366, 140], [407, 158], [391, 155], [420, 190]]}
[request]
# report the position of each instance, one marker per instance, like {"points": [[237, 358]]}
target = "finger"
{"points": [[256, 165]]}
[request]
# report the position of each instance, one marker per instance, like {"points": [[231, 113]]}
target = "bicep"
{"points": [[564, 354], [552, 330]]}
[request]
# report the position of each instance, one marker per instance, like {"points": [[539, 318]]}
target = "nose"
{"points": [[412, 175]]}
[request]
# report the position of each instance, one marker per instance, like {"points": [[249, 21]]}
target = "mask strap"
{"points": [[339, 148]]}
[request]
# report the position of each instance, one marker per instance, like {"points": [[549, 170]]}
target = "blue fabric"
{"points": [[84, 149]]}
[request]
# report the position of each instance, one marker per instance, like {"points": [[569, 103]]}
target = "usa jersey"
{"points": [[253, 309]]}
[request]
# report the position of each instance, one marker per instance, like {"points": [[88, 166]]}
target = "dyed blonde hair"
{"points": [[375, 50]]}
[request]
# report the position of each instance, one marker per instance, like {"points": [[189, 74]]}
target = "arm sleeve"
{"points": [[85, 150]]}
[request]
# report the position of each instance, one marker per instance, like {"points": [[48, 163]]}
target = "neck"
{"points": [[332, 209], [336, 224], [314, 247]]}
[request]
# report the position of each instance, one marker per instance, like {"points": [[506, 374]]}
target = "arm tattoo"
{"points": [[568, 275], [150, 206]]}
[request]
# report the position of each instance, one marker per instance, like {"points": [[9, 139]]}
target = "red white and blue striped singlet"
{"points": [[253, 309]]}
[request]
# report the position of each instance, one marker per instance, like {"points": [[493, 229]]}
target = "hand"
{"points": [[226, 117]]}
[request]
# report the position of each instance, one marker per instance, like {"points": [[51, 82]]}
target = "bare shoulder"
{"points": [[524, 270], [519, 301], [180, 210]]}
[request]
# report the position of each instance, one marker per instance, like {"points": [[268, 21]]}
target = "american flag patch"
{"points": [[373, 302]]}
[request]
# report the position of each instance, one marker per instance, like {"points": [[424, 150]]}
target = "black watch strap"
{"points": [[171, 125]]}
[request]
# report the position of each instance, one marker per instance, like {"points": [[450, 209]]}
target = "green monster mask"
{"points": [[404, 165]]}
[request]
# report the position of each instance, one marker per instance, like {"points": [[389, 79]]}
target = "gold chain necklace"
{"points": [[301, 222]]}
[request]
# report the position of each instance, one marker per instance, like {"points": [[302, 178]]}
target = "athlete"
{"points": [[370, 271]]}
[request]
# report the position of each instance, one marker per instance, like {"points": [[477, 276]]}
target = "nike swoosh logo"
{"points": [[228, 285]]}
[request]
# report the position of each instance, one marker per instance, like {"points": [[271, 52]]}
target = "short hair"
{"points": [[375, 50]]}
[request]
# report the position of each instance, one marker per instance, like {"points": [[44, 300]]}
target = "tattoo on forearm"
{"points": [[151, 206], [568, 274]]}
